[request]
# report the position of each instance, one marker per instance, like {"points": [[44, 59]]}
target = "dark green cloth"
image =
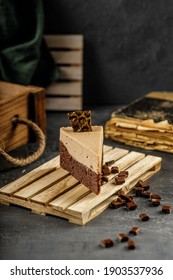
{"points": [[24, 56]]}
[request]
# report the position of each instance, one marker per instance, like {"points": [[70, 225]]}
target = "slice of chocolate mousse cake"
{"points": [[81, 150]]}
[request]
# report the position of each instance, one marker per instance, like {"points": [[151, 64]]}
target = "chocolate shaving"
{"points": [[80, 121]]}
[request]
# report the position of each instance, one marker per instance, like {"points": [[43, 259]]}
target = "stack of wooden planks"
{"points": [[145, 123]]}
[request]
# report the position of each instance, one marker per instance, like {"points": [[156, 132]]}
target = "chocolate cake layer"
{"points": [[81, 172]]}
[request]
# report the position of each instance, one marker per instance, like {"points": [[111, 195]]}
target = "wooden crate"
{"points": [[67, 51], [26, 102], [49, 189]]}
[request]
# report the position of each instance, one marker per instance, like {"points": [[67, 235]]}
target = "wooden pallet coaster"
{"points": [[67, 52], [49, 189]]}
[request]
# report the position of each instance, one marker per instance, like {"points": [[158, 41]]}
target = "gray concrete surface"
{"points": [[24, 235]]}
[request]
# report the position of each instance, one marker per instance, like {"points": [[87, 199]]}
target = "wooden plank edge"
{"points": [[36, 208]]}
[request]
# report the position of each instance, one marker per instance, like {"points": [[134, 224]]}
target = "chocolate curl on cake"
{"points": [[80, 121]]}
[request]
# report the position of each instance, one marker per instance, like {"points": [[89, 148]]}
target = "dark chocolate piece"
{"points": [[122, 237], [131, 245], [146, 194], [120, 192], [106, 243], [134, 230], [106, 170], [108, 163], [123, 174], [144, 217], [142, 184], [104, 179], [126, 198], [155, 202], [114, 169], [116, 204], [131, 205], [166, 209], [155, 196], [146, 187], [80, 121], [139, 191], [119, 180], [139, 183]]}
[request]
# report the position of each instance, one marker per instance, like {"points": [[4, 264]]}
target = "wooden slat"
{"points": [[49, 194], [30, 177], [64, 104], [70, 197], [64, 41], [68, 57], [41, 184], [70, 73], [161, 95], [114, 154], [67, 89]]}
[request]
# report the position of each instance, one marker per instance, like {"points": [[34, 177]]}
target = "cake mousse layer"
{"points": [[84, 147], [81, 172]]}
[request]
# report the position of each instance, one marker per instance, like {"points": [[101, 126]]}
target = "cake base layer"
{"points": [[81, 172]]}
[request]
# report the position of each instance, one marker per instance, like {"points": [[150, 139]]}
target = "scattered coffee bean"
{"points": [[166, 209], [122, 237], [144, 217], [119, 180], [106, 243], [134, 230], [131, 245]]}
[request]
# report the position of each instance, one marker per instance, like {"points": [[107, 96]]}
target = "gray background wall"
{"points": [[128, 45]]}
